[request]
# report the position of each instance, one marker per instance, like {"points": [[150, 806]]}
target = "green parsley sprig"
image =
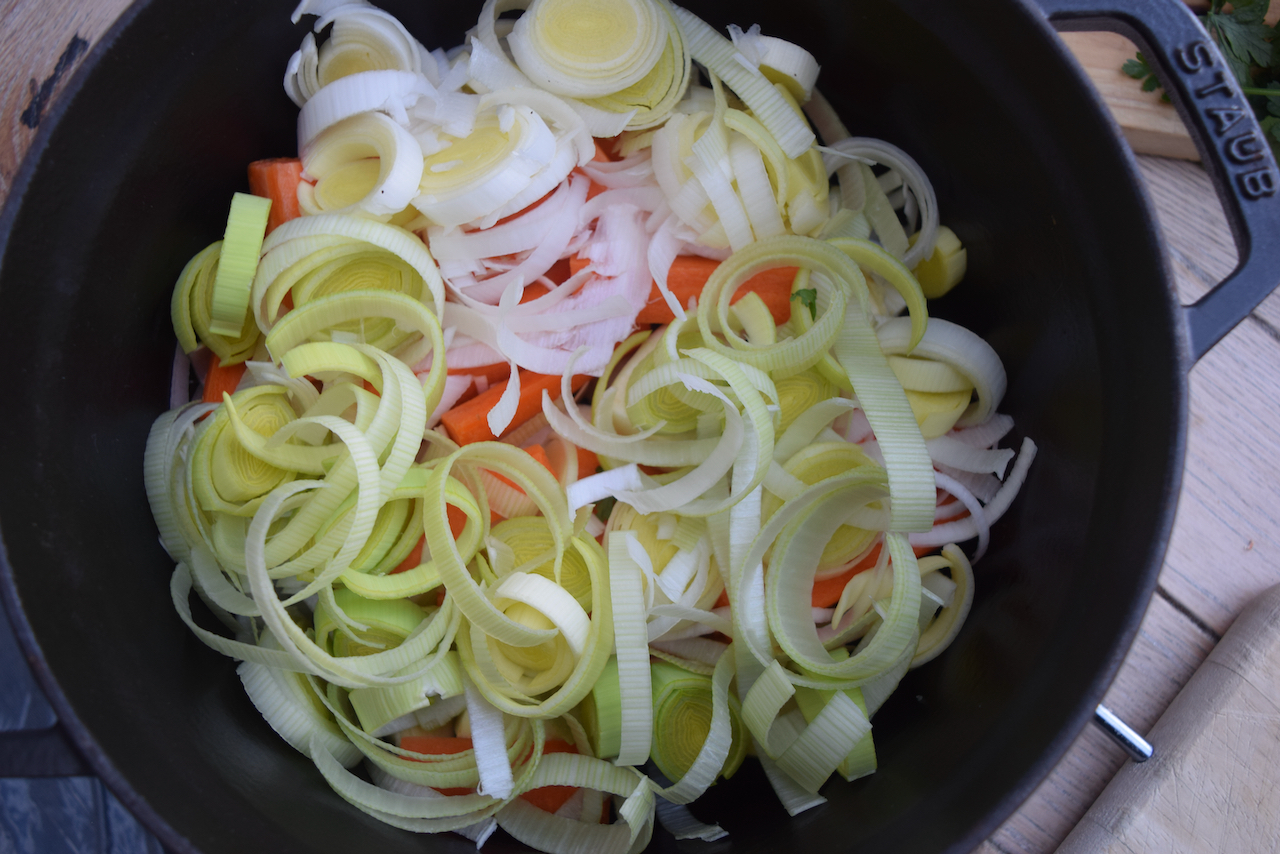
{"points": [[1252, 50], [807, 297]]}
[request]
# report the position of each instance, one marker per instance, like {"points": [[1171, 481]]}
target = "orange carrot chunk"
{"points": [[277, 179], [412, 559], [468, 422], [587, 463], [551, 798], [221, 378], [439, 745], [687, 277], [495, 373], [827, 591], [539, 453]]}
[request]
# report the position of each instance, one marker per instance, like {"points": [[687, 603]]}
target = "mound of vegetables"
{"points": [[571, 426]]}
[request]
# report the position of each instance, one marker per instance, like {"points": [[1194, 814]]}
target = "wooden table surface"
{"points": [[1226, 542]]}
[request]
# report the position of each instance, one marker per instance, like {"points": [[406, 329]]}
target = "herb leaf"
{"points": [[808, 297], [1139, 69], [1243, 36], [1251, 48]]}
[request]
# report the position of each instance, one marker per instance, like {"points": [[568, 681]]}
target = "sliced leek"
{"points": [[381, 583]]}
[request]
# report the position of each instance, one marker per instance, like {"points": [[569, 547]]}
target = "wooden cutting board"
{"points": [[1150, 124], [1210, 787]]}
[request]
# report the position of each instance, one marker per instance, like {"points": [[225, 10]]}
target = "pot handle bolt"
{"points": [[1138, 748]]}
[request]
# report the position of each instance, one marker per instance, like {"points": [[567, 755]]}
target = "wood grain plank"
{"points": [[1151, 125], [1225, 549], [1166, 653], [1200, 244], [42, 44], [1209, 783]]}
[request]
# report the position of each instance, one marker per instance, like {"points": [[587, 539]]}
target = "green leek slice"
{"points": [[237, 263]]}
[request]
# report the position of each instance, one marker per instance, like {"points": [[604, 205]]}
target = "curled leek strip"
{"points": [[192, 306], [953, 345], [533, 551], [946, 625], [392, 250], [226, 475], [695, 739], [589, 48], [718, 54], [362, 39], [237, 263], [818, 461], [383, 711], [288, 703], [365, 163], [472, 176], [841, 278], [568, 676], [914, 177], [626, 585], [558, 835]]}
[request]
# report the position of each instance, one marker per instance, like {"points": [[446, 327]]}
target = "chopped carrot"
{"points": [[277, 179], [602, 153], [468, 422], [412, 559], [457, 520], [467, 393], [587, 462], [495, 373], [438, 745], [558, 273], [595, 190], [537, 289], [551, 798], [524, 210], [689, 274], [827, 591], [539, 453], [220, 379]]}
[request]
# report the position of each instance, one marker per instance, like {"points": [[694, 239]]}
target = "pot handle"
{"points": [[1233, 148]]}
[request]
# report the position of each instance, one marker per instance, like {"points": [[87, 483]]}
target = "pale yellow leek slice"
{"points": [[366, 163], [237, 263], [191, 311]]}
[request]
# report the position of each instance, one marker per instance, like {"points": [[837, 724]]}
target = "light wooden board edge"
{"points": [[1167, 651], [1150, 125], [1210, 784]]}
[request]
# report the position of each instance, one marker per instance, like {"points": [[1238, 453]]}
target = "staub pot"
{"points": [[131, 174]]}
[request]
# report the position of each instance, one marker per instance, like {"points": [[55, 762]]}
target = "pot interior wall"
{"points": [[1065, 279]]}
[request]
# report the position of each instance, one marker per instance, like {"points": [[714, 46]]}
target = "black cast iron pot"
{"points": [[1067, 279]]}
